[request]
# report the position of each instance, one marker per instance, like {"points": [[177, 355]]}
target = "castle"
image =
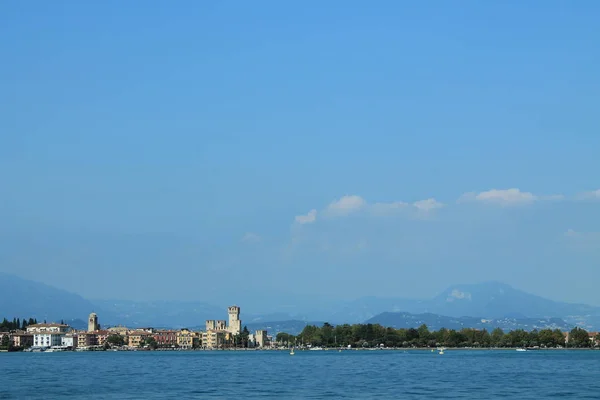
{"points": [[218, 332]]}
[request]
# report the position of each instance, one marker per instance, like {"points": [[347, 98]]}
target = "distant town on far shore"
{"points": [[29, 335]]}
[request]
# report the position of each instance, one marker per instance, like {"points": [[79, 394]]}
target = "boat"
{"points": [[292, 351], [521, 349], [316, 348], [441, 350]]}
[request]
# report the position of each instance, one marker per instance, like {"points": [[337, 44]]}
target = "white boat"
{"points": [[521, 349], [441, 350], [316, 348], [292, 352]]}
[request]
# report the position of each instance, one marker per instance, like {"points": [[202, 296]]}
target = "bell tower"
{"points": [[93, 322]]}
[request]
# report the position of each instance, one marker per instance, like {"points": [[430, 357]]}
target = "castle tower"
{"points": [[92, 322], [235, 324]]}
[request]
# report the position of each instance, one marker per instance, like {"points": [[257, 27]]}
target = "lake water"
{"points": [[458, 374]]}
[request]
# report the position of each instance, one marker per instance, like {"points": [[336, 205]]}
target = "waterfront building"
{"points": [[47, 339], [87, 339], [69, 340], [260, 338], [213, 339], [165, 338], [21, 339], [93, 323], [137, 337], [235, 323], [47, 335], [187, 339]]}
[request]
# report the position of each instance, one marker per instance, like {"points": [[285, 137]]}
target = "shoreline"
{"points": [[335, 350]]}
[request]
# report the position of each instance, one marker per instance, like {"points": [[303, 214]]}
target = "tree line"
{"points": [[16, 324], [375, 335]]}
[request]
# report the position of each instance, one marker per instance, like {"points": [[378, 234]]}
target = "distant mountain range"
{"points": [[436, 322], [21, 298], [491, 300], [499, 304]]}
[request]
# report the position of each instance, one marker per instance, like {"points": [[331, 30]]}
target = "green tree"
{"points": [[579, 338], [115, 340], [5, 343], [424, 335], [150, 342]]}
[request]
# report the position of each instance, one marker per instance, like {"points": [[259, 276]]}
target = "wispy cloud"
{"points": [[388, 208], [350, 204], [427, 205], [502, 197], [345, 205], [308, 218], [251, 237], [590, 195]]}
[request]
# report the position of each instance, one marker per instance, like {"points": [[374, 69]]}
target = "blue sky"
{"points": [[151, 150]]}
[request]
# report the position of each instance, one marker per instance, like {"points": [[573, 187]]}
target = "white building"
{"points": [[47, 339], [48, 335], [69, 341]]}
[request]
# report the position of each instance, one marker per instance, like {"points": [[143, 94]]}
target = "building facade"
{"points": [[69, 340], [187, 339], [136, 338], [213, 339], [47, 339], [87, 339], [260, 338], [22, 339], [166, 338]]}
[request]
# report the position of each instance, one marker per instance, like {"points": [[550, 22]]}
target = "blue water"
{"points": [[460, 374]]}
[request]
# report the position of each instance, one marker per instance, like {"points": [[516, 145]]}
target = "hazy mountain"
{"points": [[362, 309], [435, 322], [497, 300], [489, 300], [23, 298]]}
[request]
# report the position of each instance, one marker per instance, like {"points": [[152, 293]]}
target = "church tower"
{"points": [[93, 322]]}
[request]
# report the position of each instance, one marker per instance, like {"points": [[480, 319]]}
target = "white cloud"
{"points": [[346, 205], [308, 218], [388, 208], [505, 197], [251, 237], [591, 195], [427, 205]]}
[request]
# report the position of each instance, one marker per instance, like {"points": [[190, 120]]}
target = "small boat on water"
{"points": [[441, 350], [521, 349], [292, 351]]}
